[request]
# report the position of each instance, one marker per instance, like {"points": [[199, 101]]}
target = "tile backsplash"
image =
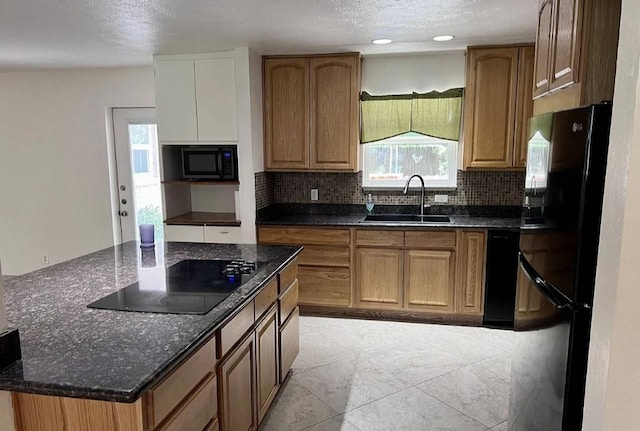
{"points": [[473, 188]]}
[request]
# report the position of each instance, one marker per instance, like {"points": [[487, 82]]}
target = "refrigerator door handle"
{"points": [[551, 293]]}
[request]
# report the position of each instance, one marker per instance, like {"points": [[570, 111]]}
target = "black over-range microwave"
{"points": [[210, 163]]}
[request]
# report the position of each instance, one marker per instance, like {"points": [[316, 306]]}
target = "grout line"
{"points": [[458, 410]]}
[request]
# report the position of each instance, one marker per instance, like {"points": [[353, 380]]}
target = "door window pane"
{"points": [[140, 161]]}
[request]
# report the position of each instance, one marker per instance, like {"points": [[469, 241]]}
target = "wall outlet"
{"points": [[314, 194], [441, 198], [45, 259]]}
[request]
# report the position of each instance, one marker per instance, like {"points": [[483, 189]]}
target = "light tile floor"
{"points": [[364, 375]]}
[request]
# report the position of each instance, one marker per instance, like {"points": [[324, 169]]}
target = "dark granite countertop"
{"points": [[348, 216], [74, 351]]}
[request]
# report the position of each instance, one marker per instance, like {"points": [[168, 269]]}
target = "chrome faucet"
{"points": [[406, 188]]}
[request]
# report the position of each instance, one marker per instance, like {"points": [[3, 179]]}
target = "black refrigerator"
{"points": [[563, 191]]}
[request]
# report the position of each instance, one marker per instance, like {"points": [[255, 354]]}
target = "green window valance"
{"points": [[434, 114]]}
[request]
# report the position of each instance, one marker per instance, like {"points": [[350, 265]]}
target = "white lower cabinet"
{"points": [[183, 233], [223, 234]]}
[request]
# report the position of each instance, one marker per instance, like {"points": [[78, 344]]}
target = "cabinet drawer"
{"points": [[181, 233], [162, 399], [289, 301], [287, 275], [266, 298], [231, 333], [325, 256], [302, 236], [197, 411], [382, 238], [289, 343], [430, 239], [223, 234], [322, 285]]}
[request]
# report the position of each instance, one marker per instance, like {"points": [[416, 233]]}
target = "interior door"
{"points": [[137, 173]]}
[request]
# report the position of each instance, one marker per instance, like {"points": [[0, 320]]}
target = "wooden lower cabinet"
{"points": [[429, 271], [198, 411], [289, 342], [238, 388], [429, 280], [324, 266], [379, 278], [472, 262], [324, 285], [267, 361], [48, 413]]}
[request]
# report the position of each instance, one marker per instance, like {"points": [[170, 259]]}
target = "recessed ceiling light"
{"points": [[443, 38], [381, 41]]}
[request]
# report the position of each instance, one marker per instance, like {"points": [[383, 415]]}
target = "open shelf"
{"points": [[202, 182], [204, 218]]}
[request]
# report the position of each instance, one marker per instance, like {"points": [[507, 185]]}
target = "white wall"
{"points": [[400, 74], [54, 181], [613, 379]]}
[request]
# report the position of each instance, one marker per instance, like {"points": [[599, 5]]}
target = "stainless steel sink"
{"points": [[408, 218]]}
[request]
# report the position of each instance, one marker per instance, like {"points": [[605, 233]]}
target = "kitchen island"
{"points": [[71, 351]]}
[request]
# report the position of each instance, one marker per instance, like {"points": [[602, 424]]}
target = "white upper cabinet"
{"points": [[216, 99], [176, 100], [196, 99]]}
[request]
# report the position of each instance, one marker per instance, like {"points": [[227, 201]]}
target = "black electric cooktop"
{"points": [[192, 287]]}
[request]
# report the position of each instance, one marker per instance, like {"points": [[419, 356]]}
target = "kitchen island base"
{"points": [[226, 380]]}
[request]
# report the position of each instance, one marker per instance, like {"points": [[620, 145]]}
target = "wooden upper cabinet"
{"points": [[311, 113], [286, 98], [335, 86], [490, 107], [576, 52], [543, 47], [524, 106], [566, 43], [498, 104]]}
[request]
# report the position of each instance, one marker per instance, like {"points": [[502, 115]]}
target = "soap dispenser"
{"points": [[370, 204]]}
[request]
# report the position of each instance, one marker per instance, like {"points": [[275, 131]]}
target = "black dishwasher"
{"points": [[500, 284]]}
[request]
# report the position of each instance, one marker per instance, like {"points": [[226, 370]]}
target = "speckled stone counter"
{"points": [[74, 351], [357, 220]]}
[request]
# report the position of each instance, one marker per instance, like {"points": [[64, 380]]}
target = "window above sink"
{"points": [[388, 163]]}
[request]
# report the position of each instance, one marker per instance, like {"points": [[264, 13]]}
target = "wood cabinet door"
{"points": [[334, 112], [379, 278], [286, 113], [472, 262], [289, 342], [216, 99], [268, 361], [524, 105], [175, 91], [543, 48], [237, 374], [490, 107], [565, 53], [429, 280], [324, 285]]}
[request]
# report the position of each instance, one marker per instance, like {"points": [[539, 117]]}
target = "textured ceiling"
{"points": [[98, 33]]}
